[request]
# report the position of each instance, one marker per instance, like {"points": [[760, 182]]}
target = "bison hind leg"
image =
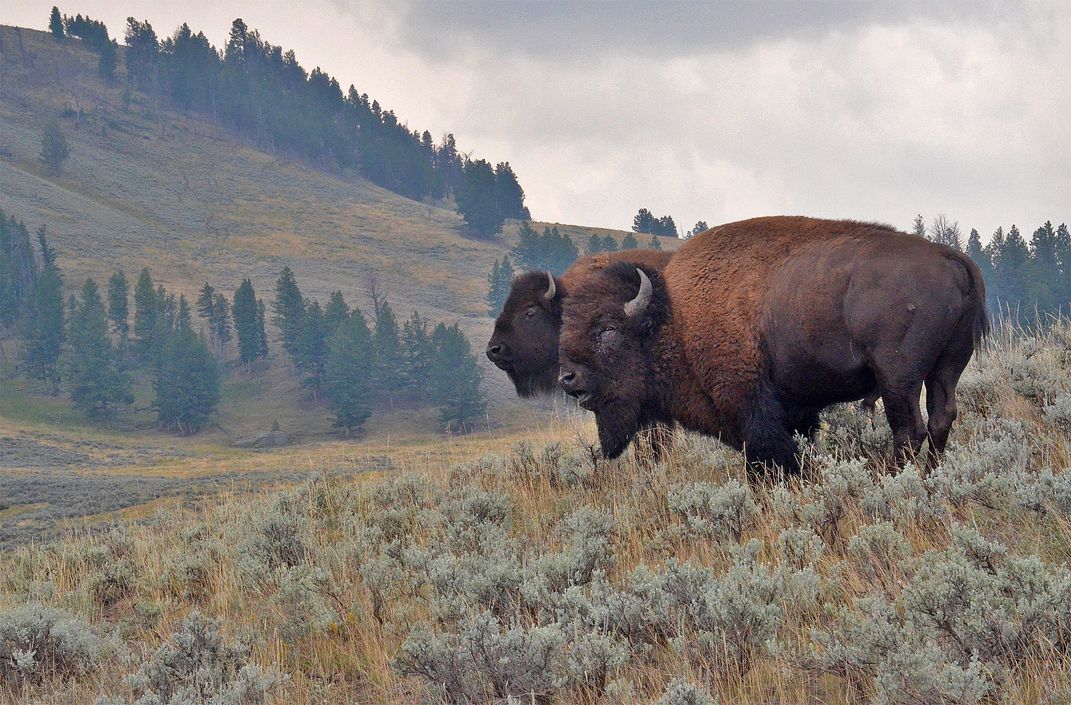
{"points": [[767, 435]]}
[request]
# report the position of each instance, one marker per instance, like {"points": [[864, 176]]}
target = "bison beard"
{"points": [[533, 382], [618, 422]]}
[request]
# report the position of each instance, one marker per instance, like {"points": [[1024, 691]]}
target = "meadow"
{"points": [[529, 570]]}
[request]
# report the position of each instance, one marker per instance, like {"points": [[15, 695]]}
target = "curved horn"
{"points": [[639, 304], [552, 290]]}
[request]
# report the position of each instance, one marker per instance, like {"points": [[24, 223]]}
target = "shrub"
{"points": [[680, 692], [983, 472], [198, 666], [715, 511], [1058, 413], [40, 643]]}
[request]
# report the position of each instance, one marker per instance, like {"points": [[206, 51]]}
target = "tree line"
{"points": [[1028, 281], [84, 344], [646, 222], [353, 360], [262, 92]]}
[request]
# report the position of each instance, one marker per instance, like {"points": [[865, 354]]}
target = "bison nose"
{"points": [[571, 382], [497, 352]]}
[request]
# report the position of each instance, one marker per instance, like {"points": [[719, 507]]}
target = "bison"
{"points": [[754, 327]]}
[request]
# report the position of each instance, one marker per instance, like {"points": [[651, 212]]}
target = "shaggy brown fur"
{"points": [[525, 340], [756, 326]]}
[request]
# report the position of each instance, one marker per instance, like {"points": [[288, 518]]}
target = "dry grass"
{"points": [[337, 634]]}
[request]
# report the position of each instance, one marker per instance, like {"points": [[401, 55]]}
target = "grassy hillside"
{"points": [[146, 186]]}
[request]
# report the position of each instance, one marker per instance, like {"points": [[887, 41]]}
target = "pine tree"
{"points": [[312, 347], [119, 307], [146, 313], [594, 245], [476, 200], [1063, 258], [700, 226], [629, 242], [509, 196], [44, 330], [246, 324], [418, 352], [643, 222], [654, 244], [289, 308], [55, 23], [526, 253], [262, 334], [348, 373], [456, 380], [665, 226], [97, 381], [336, 312], [220, 324], [107, 60], [18, 270], [918, 226], [387, 352], [187, 381], [609, 244], [499, 281], [1043, 272], [54, 148]]}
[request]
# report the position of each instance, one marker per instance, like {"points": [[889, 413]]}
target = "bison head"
{"points": [[609, 324], [525, 341]]}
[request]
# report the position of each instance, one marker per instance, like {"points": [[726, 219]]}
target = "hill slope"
{"points": [[147, 186]]}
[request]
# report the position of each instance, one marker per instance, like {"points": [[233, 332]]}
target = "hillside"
{"points": [[147, 186]]}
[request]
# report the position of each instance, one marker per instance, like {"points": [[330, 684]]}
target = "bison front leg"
{"points": [[767, 436]]}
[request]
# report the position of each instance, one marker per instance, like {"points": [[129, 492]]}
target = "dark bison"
{"points": [[754, 327], [525, 341]]}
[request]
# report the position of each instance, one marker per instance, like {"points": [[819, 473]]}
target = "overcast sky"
{"points": [[703, 111]]}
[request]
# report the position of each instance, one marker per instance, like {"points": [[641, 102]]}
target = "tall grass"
{"points": [[548, 575]]}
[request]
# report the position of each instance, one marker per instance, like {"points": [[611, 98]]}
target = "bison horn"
{"points": [[552, 290], [639, 304]]}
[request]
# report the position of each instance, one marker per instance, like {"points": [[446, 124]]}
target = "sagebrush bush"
{"points": [[40, 643], [681, 692], [198, 665], [716, 511]]}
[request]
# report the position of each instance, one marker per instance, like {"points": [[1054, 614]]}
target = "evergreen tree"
{"points": [[509, 196], [18, 270], [206, 302], [1063, 259], [55, 24], [527, 250], [118, 307], [187, 386], [246, 322], [97, 380], [476, 200], [107, 60], [609, 244], [665, 226], [44, 330], [654, 244], [418, 353], [262, 334], [594, 245], [220, 325], [700, 226], [312, 347], [146, 313], [348, 372], [499, 281], [336, 311], [54, 148], [456, 380], [644, 222], [629, 242], [142, 55], [289, 308], [183, 319], [918, 226], [387, 352], [1043, 274]]}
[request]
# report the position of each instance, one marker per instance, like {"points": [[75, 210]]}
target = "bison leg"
{"points": [[941, 392], [804, 421], [654, 442], [905, 418], [767, 438]]}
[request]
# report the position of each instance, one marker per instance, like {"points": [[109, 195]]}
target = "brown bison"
{"points": [[525, 341], [754, 327]]}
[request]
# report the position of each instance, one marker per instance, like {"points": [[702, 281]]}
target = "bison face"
{"points": [[607, 362], [525, 340]]}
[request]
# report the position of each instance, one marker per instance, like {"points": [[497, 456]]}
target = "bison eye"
{"points": [[529, 313], [607, 333]]}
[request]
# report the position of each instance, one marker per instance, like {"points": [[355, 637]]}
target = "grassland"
{"points": [[487, 568], [146, 186]]}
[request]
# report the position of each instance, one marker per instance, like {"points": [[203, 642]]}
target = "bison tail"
{"points": [[979, 316]]}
